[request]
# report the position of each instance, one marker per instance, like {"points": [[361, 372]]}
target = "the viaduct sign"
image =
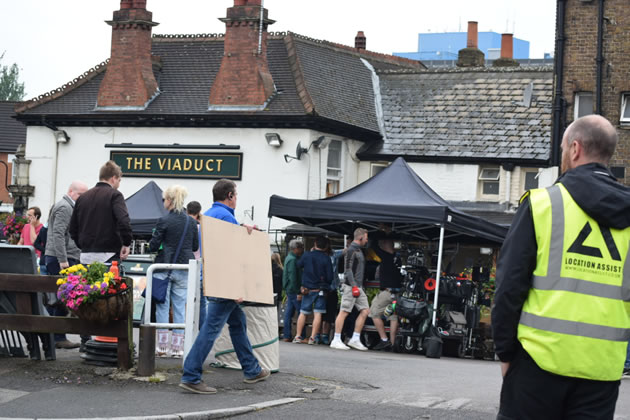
{"points": [[180, 165]]}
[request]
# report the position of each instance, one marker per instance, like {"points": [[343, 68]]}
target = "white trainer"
{"points": [[357, 345], [338, 344]]}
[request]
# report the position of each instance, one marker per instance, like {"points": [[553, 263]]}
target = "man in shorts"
{"points": [[353, 294], [389, 283], [316, 279]]}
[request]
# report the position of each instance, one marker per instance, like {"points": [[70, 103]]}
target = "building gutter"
{"points": [[600, 57], [558, 97]]}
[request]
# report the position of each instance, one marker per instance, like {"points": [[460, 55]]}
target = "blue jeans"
{"points": [[53, 268], [220, 311], [627, 365], [175, 294], [293, 305]]}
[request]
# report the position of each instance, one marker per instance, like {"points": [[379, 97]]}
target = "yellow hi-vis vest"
{"points": [[576, 319]]}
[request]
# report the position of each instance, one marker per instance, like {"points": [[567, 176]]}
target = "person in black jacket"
{"points": [[529, 391], [100, 223], [169, 233]]}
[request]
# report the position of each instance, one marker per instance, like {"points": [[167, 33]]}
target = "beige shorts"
{"points": [[348, 301], [379, 303]]}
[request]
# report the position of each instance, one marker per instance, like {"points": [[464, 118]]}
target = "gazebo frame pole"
{"points": [[437, 275]]}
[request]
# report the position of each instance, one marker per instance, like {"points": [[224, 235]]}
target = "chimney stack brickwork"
{"points": [[360, 41], [129, 81], [244, 80], [471, 56], [507, 48]]}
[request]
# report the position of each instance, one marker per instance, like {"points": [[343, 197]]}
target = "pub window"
{"points": [[376, 168], [334, 171], [625, 108], [583, 104], [489, 181], [531, 180]]}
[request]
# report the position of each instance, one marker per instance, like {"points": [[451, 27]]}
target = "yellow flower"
{"points": [[64, 271], [61, 281], [98, 284]]}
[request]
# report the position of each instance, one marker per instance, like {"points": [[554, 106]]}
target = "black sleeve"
{"points": [[40, 241], [517, 260]]}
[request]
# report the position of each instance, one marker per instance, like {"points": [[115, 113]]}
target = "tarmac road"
{"points": [[321, 381]]}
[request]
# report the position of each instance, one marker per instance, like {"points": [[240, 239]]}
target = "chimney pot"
{"points": [[360, 41], [507, 45], [471, 41], [139, 4], [125, 4]]}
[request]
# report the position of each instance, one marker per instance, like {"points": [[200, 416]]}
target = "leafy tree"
{"points": [[10, 87]]}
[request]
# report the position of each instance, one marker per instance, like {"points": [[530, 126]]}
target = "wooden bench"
{"points": [[23, 286]]}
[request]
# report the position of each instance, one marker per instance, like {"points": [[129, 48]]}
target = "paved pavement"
{"points": [[314, 382]]}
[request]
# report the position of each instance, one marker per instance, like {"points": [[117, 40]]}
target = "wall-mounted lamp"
{"points": [[322, 142], [299, 151], [273, 139], [61, 136]]}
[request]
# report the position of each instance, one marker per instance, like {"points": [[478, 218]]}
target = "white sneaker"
{"points": [[357, 345], [338, 344]]}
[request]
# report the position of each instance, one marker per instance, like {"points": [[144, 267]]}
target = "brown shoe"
{"points": [[200, 388], [67, 344], [287, 340], [264, 374]]}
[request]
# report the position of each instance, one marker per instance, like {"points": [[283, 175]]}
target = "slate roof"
{"points": [[12, 132], [315, 79], [465, 114]]}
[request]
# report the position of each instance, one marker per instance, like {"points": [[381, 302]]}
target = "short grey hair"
{"points": [[296, 244], [597, 136]]}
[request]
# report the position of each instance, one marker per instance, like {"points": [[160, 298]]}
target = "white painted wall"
{"points": [[265, 171]]}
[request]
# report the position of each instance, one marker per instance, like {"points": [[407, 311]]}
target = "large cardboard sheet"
{"points": [[235, 263]]}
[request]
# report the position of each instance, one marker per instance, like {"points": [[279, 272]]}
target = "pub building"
{"points": [[281, 113], [278, 113]]}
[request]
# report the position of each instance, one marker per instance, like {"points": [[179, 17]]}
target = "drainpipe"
{"points": [[600, 57], [508, 168], [558, 99]]}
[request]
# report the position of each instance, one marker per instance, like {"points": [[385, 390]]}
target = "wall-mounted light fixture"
{"points": [[273, 139], [61, 136], [299, 151], [322, 142]]}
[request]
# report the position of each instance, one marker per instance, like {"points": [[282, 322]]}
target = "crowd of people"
{"points": [[557, 362]]}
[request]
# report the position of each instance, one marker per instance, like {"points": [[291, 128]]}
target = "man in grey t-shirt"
{"points": [[353, 293]]}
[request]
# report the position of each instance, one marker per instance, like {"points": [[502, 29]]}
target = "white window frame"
{"points": [[625, 104], [334, 179], [576, 104], [524, 173], [484, 177], [377, 165]]}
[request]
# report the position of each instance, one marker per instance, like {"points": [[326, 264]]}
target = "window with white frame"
{"points": [[334, 170], [489, 182], [530, 179], [376, 168], [625, 108], [583, 104]]}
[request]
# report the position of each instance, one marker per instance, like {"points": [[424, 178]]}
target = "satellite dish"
{"points": [[299, 151]]}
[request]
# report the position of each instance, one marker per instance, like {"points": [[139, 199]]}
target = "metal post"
{"points": [[437, 276]]}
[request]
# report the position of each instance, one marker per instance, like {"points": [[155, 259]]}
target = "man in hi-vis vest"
{"points": [[561, 320]]}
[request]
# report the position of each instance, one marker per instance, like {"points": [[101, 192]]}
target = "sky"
{"points": [[54, 41]]}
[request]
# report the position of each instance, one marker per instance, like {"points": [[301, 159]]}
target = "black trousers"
{"points": [[529, 392]]}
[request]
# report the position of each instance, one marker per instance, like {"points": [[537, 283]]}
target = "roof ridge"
{"points": [[361, 52], [298, 74], [65, 88], [194, 37], [519, 69]]}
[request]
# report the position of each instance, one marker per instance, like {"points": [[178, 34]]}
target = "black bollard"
{"points": [[146, 357]]}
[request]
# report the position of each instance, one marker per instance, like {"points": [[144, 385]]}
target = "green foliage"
{"points": [[10, 87], [95, 272]]}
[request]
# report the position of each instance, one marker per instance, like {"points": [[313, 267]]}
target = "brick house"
{"points": [[592, 65]]}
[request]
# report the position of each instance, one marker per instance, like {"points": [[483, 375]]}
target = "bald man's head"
{"points": [[597, 137], [76, 189]]}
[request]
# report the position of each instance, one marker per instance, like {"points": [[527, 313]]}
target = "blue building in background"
{"points": [[445, 46]]}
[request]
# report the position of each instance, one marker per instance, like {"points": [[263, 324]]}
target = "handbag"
{"points": [[159, 284], [412, 309]]}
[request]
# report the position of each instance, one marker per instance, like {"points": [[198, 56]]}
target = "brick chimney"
{"points": [[244, 82], [360, 41], [471, 56], [129, 82], [507, 48]]}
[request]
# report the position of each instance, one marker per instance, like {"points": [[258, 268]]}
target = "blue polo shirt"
{"points": [[222, 212]]}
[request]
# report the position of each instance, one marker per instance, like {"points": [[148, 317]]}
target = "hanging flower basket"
{"points": [[105, 308], [94, 293]]}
